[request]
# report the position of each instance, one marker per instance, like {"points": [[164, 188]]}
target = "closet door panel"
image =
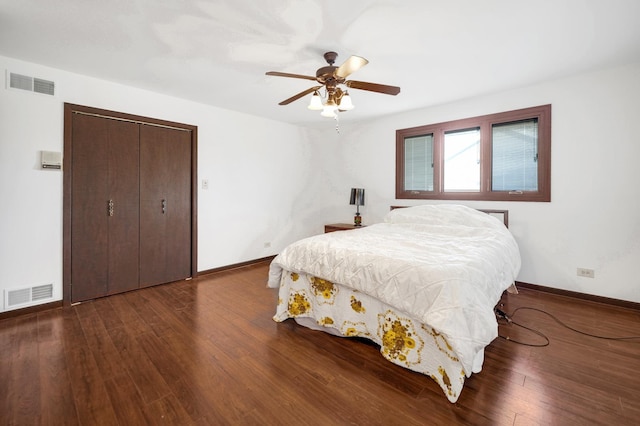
{"points": [[165, 205], [124, 190], [89, 209], [153, 223], [178, 234]]}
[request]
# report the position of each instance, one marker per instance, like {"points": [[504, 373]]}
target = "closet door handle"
{"points": [[110, 207], [164, 206]]}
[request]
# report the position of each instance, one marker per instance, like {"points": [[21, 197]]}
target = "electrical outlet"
{"points": [[584, 272], [205, 184]]}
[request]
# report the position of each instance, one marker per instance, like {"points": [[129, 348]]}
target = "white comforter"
{"points": [[446, 266]]}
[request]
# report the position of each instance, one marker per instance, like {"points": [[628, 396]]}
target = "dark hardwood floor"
{"points": [[206, 352]]}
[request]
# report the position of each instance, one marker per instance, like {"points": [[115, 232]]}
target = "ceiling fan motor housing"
{"points": [[327, 75], [324, 75]]}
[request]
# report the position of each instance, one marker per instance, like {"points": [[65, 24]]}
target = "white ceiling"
{"points": [[217, 52]]}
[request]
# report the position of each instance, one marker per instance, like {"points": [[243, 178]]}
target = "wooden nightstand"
{"points": [[340, 227]]}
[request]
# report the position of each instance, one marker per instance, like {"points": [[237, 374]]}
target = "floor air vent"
{"points": [[32, 84], [24, 296]]}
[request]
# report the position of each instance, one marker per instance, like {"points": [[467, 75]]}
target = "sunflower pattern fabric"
{"points": [[320, 304]]}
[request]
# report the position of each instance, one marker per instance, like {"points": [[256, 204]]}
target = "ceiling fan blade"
{"points": [[351, 65], [373, 87], [285, 74], [299, 95]]}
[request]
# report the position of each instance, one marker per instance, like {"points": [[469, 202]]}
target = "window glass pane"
{"points": [[462, 160], [515, 156], [418, 163]]}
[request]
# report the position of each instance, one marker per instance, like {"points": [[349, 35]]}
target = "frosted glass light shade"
{"points": [[316, 102], [345, 102], [329, 109], [328, 112]]}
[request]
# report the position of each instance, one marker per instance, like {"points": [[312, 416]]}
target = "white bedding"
{"points": [[444, 265]]}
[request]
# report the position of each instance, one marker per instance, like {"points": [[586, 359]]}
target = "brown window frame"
{"points": [[485, 123]]}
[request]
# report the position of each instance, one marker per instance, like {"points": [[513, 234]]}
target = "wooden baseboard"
{"points": [[520, 284], [30, 310], [582, 296], [237, 265], [59, 303]]}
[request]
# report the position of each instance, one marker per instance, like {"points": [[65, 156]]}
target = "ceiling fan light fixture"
{"points": [[345, 102], [329, 111], [330, 108], [316, 102]]}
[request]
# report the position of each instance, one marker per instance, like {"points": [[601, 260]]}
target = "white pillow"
{"points": [[443, 214]]}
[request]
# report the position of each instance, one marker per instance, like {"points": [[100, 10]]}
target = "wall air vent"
{"points": [[43, 86], [17, 297], [18, 81], [32, 84], [41, 292], [28, 295]]}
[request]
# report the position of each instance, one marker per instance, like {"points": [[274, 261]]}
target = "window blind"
{"points": [[418, 163], [515, 156]]}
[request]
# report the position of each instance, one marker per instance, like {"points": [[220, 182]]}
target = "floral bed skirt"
{"points": [[326, 306]]}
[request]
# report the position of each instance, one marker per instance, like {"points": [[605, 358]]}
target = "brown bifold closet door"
{"points": [[165, 205], [104, 207]]}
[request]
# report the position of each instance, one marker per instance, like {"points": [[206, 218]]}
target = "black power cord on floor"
{"points": [[502, 315], [509, 320]]}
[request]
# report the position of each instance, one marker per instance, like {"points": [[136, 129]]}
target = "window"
{"points": [[418, 163], [497, 157], [462, 160]]}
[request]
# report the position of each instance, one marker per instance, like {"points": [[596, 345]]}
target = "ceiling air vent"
{"points": [[32, 84]]}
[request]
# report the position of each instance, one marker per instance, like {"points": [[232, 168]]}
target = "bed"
{"points": [[422, 285]]}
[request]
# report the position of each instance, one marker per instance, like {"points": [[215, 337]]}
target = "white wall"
{"points": [[593, 219], [257, 170], [271, 182]]}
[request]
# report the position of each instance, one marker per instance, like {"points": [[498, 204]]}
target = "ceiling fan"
{"points": [[331, 77]]}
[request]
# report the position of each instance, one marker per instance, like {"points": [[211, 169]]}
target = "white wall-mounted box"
{"points": [[51, 160]]}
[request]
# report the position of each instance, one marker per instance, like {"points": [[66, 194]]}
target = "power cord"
{"points": [[500, 314]]}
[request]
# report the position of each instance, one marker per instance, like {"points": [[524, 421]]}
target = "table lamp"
{"points": [[357, 199]]}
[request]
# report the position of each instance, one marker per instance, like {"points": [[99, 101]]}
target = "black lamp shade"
{"points": [[357, 197]]}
